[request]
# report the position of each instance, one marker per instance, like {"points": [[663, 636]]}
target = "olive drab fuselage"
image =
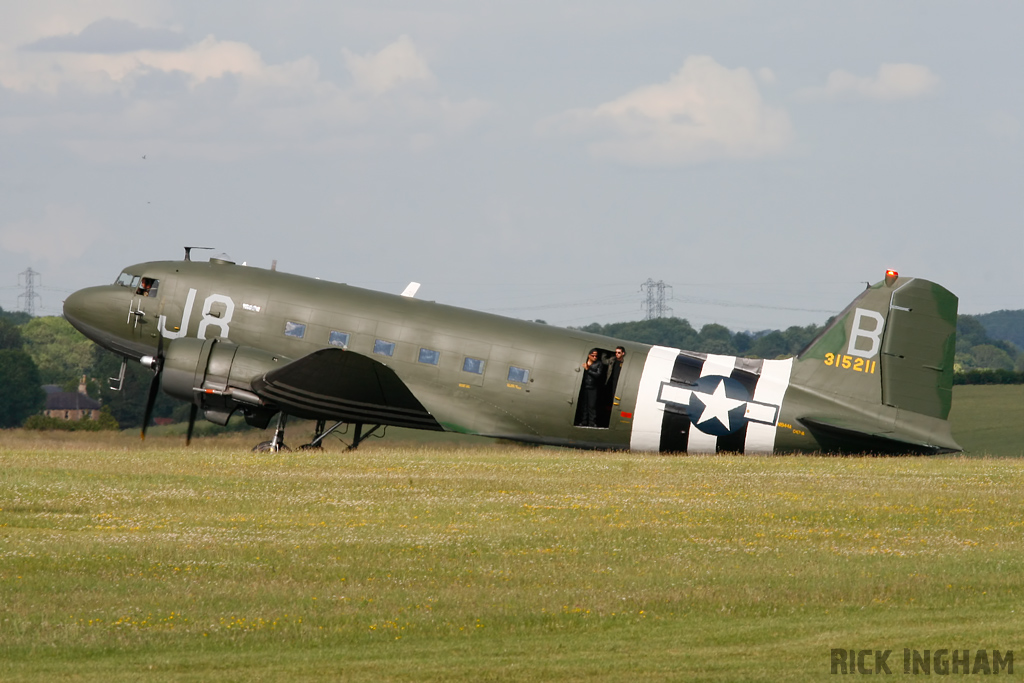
{"points": [[418, 363]]}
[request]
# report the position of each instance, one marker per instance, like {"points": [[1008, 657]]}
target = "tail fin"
{"points": [[887, 360]]}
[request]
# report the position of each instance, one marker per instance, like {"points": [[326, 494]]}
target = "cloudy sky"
{"points": [[535, 159]]}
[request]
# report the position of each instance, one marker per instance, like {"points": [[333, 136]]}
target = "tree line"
{"points": [[1008, 325], [977, 347], [712, 338], [979, 353]]}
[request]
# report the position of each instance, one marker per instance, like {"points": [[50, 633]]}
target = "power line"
{"points": [[737, 304], [29, 294], [580, 303], [655, 300]]}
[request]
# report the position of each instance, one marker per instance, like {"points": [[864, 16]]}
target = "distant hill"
{"points": [[1007, 325]]}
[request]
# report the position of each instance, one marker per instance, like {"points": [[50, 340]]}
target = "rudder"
{"points": [[885, 365], [918, 349]]}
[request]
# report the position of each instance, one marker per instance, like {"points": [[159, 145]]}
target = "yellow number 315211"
{"points": [[850, 363]]}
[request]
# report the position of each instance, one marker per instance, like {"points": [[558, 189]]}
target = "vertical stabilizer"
{"points": [[883, 368]]}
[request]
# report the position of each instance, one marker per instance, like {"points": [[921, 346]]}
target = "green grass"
{"points": [[120, 561], [989, 420], [444, 557]]}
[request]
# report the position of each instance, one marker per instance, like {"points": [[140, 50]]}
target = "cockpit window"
{"points": [[125, 280], [147, 287]]}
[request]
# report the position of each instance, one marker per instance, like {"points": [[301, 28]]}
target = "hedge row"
{"points": [[988, 377], [104, 422]]}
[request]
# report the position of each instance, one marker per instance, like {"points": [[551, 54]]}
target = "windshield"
{"points": [[127, 280]]}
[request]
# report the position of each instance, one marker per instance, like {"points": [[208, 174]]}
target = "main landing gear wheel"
{"points": [[277, 443], [270, 447], [318, 436]]}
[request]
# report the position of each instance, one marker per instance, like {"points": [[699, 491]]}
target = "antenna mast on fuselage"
{"points": [[188, 252]]}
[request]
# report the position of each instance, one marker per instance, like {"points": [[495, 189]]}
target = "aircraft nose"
{"points": [[75, 307], [85, 308]]}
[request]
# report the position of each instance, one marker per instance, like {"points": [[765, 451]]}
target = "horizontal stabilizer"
{"points": [[839, 436]]}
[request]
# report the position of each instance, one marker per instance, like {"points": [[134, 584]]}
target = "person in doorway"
{"points": [[606, 398], [611, 379], [593, 379]]}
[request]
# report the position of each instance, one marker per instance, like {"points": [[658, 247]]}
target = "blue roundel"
{"points": [[718, 405]]}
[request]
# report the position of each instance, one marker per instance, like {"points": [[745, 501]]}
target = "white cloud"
{"points": [[892, 82], [61, 235], [397, 64], [97, 72], [703, 112], [220, 99]]}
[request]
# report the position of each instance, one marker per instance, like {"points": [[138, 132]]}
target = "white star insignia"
{"points": [[717, 405]]}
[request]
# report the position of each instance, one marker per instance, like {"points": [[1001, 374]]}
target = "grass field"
{"points": [[989, 420], [127, 561]]}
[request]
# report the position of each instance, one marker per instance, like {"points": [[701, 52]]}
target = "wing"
{"points": [[342, 385]]}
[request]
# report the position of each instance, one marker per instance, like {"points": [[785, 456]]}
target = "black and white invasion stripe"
{"points": [[684, 396]]}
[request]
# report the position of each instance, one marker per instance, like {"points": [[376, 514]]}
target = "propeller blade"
{"points": [[193, 411], [154, 387]]}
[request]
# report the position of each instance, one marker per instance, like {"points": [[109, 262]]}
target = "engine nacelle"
{"points": [[217, 376]]}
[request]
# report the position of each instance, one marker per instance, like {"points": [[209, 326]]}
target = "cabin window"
{"points": [[338, 339], [519, 375], [430, 356], [384, 348], [296, 330], [148, 286], [474, 365]]}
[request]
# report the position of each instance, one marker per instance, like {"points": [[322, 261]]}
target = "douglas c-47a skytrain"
{"points": [[229, 338]]}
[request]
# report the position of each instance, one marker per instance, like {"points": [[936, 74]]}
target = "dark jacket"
{"points": [[593, 377]]}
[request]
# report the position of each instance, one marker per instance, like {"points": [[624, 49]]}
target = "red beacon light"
{"points": [[890, 277]]}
